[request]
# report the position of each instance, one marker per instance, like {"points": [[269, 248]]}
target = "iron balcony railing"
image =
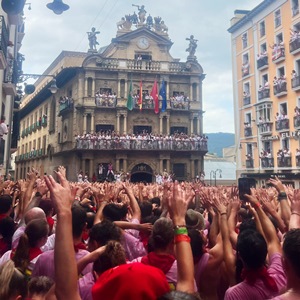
{"points": [[284, 162]]}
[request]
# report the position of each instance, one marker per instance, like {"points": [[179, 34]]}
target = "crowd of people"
{"points": [[66, 100], [279, 83], [105, 99], [66, 240], [142, 141], [278, 50]]}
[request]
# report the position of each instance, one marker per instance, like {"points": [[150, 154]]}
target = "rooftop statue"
{"points": [[92, 36], [192, 46], [159, 25], [142, 13]]}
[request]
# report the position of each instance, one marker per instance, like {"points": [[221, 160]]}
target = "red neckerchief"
{"points": [[34, 252], [2, 216], [160, 261], [250, 276], [79, 246], [144, 237]]}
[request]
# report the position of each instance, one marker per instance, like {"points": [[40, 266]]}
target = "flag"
{"points": [[163, 95], [140, 101], [154, 95], [129, 98]]}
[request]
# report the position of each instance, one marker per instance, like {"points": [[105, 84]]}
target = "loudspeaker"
{"points": [[13, 7]]}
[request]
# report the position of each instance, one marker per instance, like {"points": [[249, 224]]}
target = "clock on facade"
{"points": [[143, 43]]}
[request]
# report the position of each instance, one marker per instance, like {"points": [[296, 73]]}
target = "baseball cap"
{"points": [[134, 281]]}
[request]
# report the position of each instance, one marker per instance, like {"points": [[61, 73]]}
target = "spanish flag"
{"points": [[140, 101]]}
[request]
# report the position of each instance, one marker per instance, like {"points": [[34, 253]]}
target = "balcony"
{"points": [[280, 89], [295, 45], [248, 131], [44, 121], [296, 121], [250, 163], [267, 162], [296, 83], [106, 101], [284, 162], [297, 160], [65, 107], [282, 124], [262, 63], [278, 54], [39, 124], [264, 94], [3, 43], [142, 145], [245, 70], [246, 100], [265, 128], [180, 104]]}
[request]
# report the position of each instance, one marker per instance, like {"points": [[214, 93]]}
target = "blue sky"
{"points": [[47, 34]]}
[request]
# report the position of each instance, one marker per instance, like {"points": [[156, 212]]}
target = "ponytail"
{"points": [[21, 255]]}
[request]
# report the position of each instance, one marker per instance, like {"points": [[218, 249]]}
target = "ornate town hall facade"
{"points": [[129, 106]]}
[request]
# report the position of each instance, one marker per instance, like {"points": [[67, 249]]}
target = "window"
{"points": [[248, 118], [245, 40], [280, 72], [245, 58], [262, 28], [279, 38], [265, 79], [277, 18], [283, 108], [295, 7], [179, 171], [263, 48], [264, 113], [249, 150]]}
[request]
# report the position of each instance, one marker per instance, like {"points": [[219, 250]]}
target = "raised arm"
{"points": [[64, 256], [267, 226], [178, 202], [295, 210], [136, 211]]}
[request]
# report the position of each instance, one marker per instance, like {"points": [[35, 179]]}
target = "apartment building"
{"points": [[266, 85], [108, 113]]}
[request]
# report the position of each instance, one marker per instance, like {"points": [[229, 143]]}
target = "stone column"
{"points": [[125, 89], [118, 123], [198, 126], [168, 124], [85, 87], [192, 168], [191, 92], [192, 126], [160, 125], [161, 166], [119, 88], [93, 88], [80, 88], [117, 165], [125, 164], [125, 124], [91, 167], [168, 166], [84, 123], [92, 122]]}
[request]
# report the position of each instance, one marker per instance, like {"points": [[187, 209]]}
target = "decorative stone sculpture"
{"points": [[92, 36]]}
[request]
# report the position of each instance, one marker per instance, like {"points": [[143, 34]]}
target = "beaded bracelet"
{"points": [[182, 238], [181, 230]]}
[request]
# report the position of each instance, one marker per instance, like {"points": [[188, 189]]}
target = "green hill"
{"points": [[218, 141]]}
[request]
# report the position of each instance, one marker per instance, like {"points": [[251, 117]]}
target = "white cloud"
{"points": [[47, 34]]}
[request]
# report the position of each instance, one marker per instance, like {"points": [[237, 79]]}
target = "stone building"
{"points": [[266, 67], [89, 123]]}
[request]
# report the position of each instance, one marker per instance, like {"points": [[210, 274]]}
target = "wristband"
{"points": [[179, 226], [38, 194], [256, 205], [180, 230], [223, 213], [281, 196], [182, 238]]}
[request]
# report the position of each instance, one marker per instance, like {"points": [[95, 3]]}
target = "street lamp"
{"points": [[214, 175], [30, 88], [58, 7]]}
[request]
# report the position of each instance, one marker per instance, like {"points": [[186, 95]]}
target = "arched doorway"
{"points": [[141, 173]]}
